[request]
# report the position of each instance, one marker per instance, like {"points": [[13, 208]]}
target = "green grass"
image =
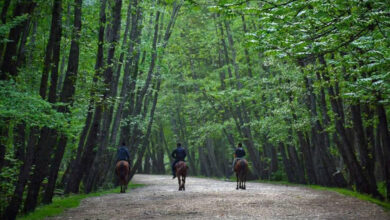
{"points": [[60, 204], [347, 192]]}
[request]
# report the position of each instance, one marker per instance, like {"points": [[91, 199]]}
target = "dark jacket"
{"points": [[123, 154], [179, 153], [240, 152]]}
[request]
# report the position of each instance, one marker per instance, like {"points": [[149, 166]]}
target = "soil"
{"points": [[210, 199]]}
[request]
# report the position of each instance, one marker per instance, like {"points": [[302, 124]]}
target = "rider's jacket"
{"points": [[240, 152], [123, 154], [179, 153]]}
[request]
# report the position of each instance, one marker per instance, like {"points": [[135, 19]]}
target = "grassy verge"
{"points": [[60, 204], [347, 192]]}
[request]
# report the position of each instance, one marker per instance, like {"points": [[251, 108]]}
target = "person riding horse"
{"points": [[179, 154], [238, 155], [123, 153]]}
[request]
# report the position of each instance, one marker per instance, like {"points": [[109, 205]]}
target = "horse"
{"points": [[122, 171], [241, 169], [181, 173]]}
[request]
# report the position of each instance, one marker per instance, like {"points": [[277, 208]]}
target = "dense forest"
{"points": [[303, 84]]}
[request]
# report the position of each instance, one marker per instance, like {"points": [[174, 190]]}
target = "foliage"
{"points": [[20, 105]]}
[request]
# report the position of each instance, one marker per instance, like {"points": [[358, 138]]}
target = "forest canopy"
{"points": [[304, 85]]}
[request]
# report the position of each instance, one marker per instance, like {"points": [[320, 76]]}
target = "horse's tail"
{"points": [[181, 168], [122, 172], [243, 167]]}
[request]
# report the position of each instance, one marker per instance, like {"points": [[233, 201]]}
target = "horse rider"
{"points": [[238, 154], [123, 153], [179, 154]]}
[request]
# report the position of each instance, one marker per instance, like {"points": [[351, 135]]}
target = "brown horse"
{"points": [[241, 169], [181, 173], [122, 171]]}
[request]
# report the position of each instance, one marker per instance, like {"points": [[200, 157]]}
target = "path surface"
{"points": [[210, 199]]}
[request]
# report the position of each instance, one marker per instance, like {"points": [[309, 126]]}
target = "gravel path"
{"points": [[210, 199]]}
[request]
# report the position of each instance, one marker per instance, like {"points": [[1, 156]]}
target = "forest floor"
{"points": [[210, 199]]}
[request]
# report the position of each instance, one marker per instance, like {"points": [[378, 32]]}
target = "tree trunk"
{"points": [[286, 162], [212, 159], [383, 129], [24, 173], [3, 18], [51, 60], [107, 114], [324, 167], [140, 154], [85, 147], [362, 143], [9, 64], [242, 112], [66, 96], [336, 172], [295, 162], [131, 60], [45, 145], [54, 41], [19, 141], [307, 158], [345, 146], [204, 163], [4, 10], [54, 168]]}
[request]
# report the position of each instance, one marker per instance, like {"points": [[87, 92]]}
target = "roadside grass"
{"points": [[347, 192], [61, 203], [343, 191]]}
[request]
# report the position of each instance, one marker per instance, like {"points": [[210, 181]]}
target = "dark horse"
{"points": [[241, 169], [181, 173], [122, 171]]}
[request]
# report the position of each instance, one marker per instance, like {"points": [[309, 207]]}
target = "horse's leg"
{"points": [[179, 180], [240, 181], [126, 182], [244, 179], [237, 180], [184, 183]]}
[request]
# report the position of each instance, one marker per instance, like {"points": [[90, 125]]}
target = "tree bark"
{"points": [[66, 96], [4, 10], [9, 64], [362, 143], [24, 173], [345, 146], [287, 164], [107, 114], [324, 167], [140, 154], [54, 41], [130, 70], [212, 159], [242, 112], [93, 119], [383, 129]]}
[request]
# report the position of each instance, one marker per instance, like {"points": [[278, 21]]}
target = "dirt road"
{"points": [[210, 199]]}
